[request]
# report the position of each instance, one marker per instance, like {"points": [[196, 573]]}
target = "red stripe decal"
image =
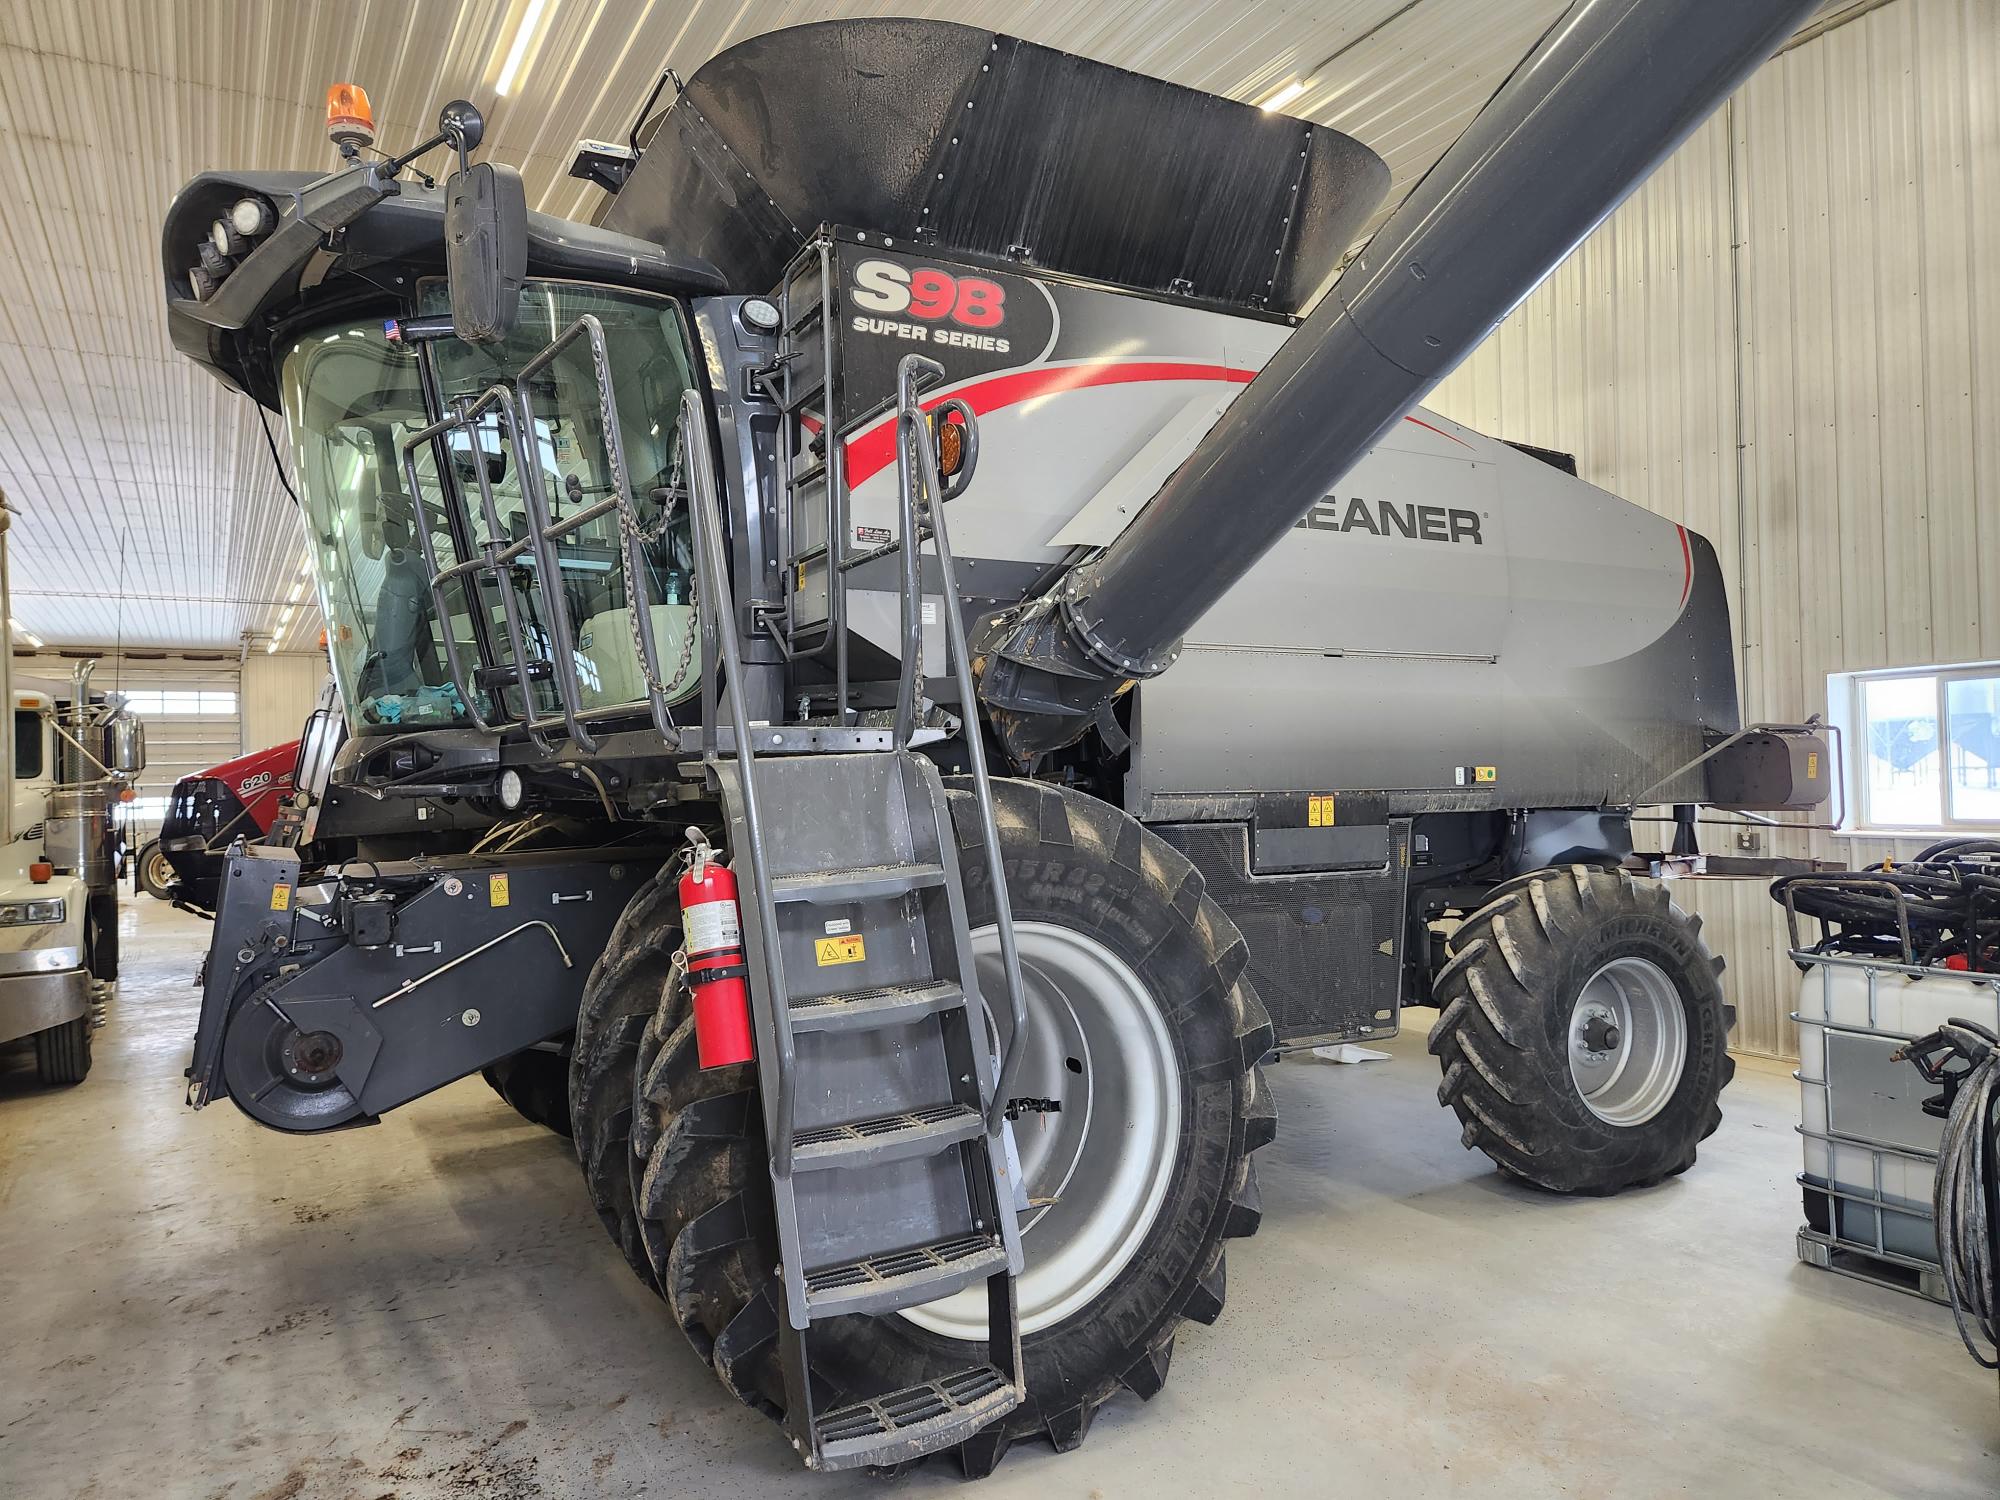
{"points": [[871, 451], [1687, 566], [1438, 430]]}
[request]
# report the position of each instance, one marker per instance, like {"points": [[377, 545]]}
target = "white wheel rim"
{"points": [[1099, 1170], [1627, 1041]]}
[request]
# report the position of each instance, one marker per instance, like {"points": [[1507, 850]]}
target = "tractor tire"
{"points": [[536, 1085], [1075, 866], [154, 875], [624, 993], [1583, 1032], [62, 1053]]}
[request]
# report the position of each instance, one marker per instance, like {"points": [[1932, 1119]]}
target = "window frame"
{"points": [[1862, 820]]}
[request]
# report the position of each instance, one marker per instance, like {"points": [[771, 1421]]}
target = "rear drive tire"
{"points": [[536, 1084], [1080, 867], [625, 990], [155, 875], [1583, 1034], [62, 1053]]}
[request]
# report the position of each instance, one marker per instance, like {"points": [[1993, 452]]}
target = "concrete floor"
{"points": [[197, 1307]]}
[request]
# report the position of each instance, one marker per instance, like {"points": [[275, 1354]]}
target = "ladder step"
{"points": [[868, 883], [886, 1138], [903, 1278], [864, 1010], [914, 1421]]}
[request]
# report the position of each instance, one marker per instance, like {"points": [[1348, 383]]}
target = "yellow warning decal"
{"points": [[281, 897], [1485, 775], [1319, 810], [496, 892], [1812, 765], [839, 950]]}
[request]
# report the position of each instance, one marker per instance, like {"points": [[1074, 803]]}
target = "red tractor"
{"points": [[207, 812]]}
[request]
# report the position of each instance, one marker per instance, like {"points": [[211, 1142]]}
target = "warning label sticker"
{"points": [[839, 950], [281, 897], [496, 893], [712, 925], [1319, 810]]}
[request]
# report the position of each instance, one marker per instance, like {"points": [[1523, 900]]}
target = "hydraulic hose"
{"points": [[1966, 1195]]}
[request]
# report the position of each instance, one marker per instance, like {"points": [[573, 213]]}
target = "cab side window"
{"points": [[27, 744]]}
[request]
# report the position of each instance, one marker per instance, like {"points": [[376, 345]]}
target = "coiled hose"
{"points": [[1965, 1058]]}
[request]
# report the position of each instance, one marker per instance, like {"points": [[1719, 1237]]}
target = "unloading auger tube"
{"points": [[1612, 89]]}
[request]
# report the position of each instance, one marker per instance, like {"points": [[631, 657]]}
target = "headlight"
{"points": [[252, 217], [24, 913]]}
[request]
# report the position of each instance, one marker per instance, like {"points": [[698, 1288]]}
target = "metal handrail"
{"points": [[438, 577], [911, 475], [499, 557], [632, 559], [513, 403], [718, 608], [917, 465]]}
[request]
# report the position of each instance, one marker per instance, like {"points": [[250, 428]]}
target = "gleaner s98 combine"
{"points": [[929, 401]]}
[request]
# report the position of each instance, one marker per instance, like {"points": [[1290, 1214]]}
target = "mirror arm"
{"points": [[395, 164]]}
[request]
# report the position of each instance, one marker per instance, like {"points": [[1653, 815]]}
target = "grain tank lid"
{"points": [[966, 140]]}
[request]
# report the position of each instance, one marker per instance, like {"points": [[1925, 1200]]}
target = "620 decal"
{"points": [[929, 294]]}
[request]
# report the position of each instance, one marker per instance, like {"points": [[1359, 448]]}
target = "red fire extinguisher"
{"points": [[716, 971]]}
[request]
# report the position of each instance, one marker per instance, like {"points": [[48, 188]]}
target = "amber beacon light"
{"points": [[350, 121]]}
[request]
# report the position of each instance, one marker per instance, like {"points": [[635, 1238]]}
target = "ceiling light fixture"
{"points": [[15, 625], [1285, 95], [510, 70], [297, 589]]}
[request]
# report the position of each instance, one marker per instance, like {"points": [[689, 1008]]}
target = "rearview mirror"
{"points": [[486, 250]]}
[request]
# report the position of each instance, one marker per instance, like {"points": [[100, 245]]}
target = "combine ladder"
{"points": [[884, 1102]]}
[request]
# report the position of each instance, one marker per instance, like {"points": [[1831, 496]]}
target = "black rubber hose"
{"points": [[1964, 1199]]}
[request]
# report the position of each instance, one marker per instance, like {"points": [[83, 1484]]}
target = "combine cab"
{"points": [[904, 665]]}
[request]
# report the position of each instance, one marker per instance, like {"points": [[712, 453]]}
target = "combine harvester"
{"points": [[926, 1094]]}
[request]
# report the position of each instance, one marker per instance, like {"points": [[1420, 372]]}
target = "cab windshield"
{"points": [[352, 396]]}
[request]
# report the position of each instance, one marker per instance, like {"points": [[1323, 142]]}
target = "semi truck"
{"points": [[925, 646], [67, 764]]}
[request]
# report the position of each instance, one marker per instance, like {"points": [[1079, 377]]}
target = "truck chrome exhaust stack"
{"points": [[1612, 89]]}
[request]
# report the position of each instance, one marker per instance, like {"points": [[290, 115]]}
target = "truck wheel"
{"points": [[155, 876], [1137, 999], [621, 996], [62, 1053], [1584, 1035], [536, 1084]]}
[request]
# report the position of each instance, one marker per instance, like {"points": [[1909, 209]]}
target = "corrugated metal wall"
{"points": [[278, 693], [1823, 404]]}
